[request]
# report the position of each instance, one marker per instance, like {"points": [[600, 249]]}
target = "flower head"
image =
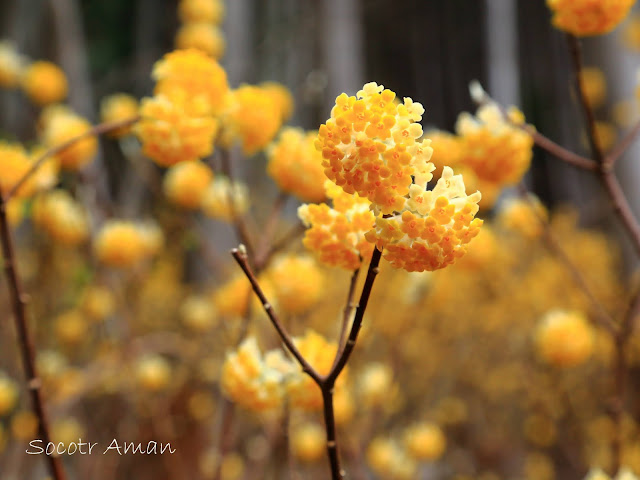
{"points": [[207, 11], [121, 243], [64, 219], [201, 36], [44, 83], [297, 281], [186, 183], [61, 125], [564, 338], [370, 146], [336, 235], [433, 229], [296, 166], [223, 200], [117, 107], [588, 17]]}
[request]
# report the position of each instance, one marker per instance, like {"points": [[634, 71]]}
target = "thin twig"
{"points": [[240, 256], [25, 340], [576, 56], [559, 151], [603, 316], [622, 146], [242, 232], [93, 131], [346, 314]]}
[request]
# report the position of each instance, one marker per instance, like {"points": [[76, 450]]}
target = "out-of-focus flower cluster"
{"points": [[588, 17]]}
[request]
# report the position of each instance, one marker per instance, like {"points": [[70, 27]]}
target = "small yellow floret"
{"points": [[209, 11], [201, 36], [375, 383], [98, 302], [296, 166], [60, 126], [425, 441], [297, 281], [308, 442], [118, 107], [224, 200], [186, 183], [71, 328], [44, 83], [198, 314], [588, 17], [153, 373], [564, 338], [58, 214]]}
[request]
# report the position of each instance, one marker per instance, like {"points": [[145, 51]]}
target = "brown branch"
{"points": [[559, 151], [622, 146], [241, 229], [344, 355], [25, 341], [603, 316], [240, 256], [576, 57], [346, 314], [95, 130]]}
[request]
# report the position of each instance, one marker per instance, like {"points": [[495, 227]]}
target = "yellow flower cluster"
{"points": [[8, 394], [185, 183], [303, 392], [598, 474], [254, 115], [44, 83], [15, 162], [254, 381], [524, 216], [337, 235], [58, 214], [433, 229], [390, 460], [588, 17], [425, 441], [564, 338], [180, 122], [308, 442], [118, 107], [60, 125], [122, 243], [11, 65], [200, 27], [498, 153], [222, 195], [153, 373], [297, 281], [296, 166], [370, 146]]}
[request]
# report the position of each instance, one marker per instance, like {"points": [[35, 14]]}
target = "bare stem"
{"points": [[622, 146], [348, 309], [93, 131], [25, 340]]}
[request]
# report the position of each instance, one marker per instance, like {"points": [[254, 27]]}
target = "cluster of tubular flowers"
{"points": [[200, 27], [497, 152], [370, 146], [298, 283], [118, 107], [524, 216], [564, 338], [179, 122], [123, 243], [254, 115], [44, 83], [15, 162], [255, 381], [336, 235], [186, 183], [296, 166], [224, 200], [589, 17], [60, 216], [433, 229], [60, 125]]}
